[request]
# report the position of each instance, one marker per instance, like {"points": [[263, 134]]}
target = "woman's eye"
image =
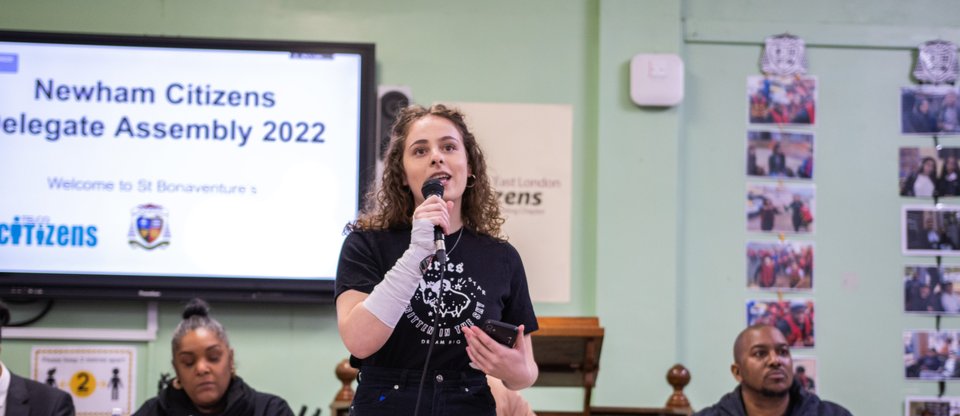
{"points": [[450, 148]]}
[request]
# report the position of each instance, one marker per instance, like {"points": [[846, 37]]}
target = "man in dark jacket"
{"points": [[28, 397], [763, 367]]}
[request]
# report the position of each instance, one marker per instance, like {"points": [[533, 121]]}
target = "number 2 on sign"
{"points": [[82, 384]]}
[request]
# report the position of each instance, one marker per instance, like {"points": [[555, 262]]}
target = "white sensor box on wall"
{"points": [[656, 79]]}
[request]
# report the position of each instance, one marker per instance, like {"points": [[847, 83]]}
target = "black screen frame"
{"points": [[17, 285]]}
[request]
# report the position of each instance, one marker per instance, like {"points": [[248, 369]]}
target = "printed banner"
{"points": [[528, 148]]}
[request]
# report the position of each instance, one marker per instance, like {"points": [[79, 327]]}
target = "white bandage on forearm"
{"points": [[392, 295]]}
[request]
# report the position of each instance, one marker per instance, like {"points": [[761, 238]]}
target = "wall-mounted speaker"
{"points": [[391, 99]]}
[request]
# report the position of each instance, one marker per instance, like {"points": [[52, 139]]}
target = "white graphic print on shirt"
{"points": [[456, 300]]}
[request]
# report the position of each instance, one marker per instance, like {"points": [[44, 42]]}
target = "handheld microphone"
{"points": [[429, 188], [432, 187]]}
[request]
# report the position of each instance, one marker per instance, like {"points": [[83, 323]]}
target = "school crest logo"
{"points": [[784, 55], [937, 62], [149, 227]]}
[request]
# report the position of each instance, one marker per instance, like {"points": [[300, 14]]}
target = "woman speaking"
{"points": [[410, 314]]}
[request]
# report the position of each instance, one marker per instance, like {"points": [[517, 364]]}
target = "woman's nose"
{"points": [[203, 367], [436, 157]]}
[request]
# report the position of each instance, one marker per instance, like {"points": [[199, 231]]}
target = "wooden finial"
{"points": [[346, 374], [678, 377]]}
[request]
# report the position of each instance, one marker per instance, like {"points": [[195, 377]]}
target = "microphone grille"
{"points": [[432, 187]]}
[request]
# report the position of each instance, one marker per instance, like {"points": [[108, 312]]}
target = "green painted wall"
{"points": [[658, 224], [862, 52], [637, 216]]}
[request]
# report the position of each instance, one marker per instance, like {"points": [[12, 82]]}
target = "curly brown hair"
{"points": [[391, 205]]}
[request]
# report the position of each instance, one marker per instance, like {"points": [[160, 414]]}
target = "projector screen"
{"points": [[171, 167]]}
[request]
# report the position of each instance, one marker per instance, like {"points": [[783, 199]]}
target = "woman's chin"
{"points": [[205, 399]]}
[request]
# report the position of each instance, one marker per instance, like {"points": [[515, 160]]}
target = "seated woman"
{"points": [[206, 381]]}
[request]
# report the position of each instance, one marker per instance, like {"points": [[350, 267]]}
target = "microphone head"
{"points": [[432, 187]]}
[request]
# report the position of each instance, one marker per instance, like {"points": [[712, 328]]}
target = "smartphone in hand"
{"points": [[501, 332]]}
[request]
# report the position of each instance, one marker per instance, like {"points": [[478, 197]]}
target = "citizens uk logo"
{"points": [[41, 231], [149, 227]]}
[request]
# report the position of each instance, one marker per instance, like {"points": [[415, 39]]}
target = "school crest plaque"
{"points": [[937, 62], [784, 55]]}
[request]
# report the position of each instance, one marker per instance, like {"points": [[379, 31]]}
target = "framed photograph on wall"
{"points": [[805, 372], [931, 289], [781, 207], [780, 154], [930, 230], [932, 406], [931, 355], [927, 172], [782, 100], [775, 265], [793, 317], [929, 109]]}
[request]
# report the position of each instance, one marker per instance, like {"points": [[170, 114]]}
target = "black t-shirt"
{"points": [[483, 279]]}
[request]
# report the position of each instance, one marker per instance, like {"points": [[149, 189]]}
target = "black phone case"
{"points": [[501, 332]]}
